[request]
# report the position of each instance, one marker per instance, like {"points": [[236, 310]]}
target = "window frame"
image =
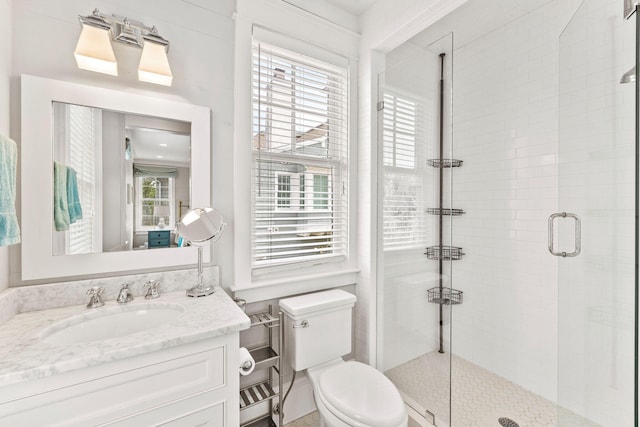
{"points": [[337, 166]]}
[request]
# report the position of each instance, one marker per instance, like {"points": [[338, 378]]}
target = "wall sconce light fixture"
{"points": [[95, 53]]}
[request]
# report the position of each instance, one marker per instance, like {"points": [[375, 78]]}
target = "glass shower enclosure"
{"points": [[508, 169], [596, 182], [415, 149]]}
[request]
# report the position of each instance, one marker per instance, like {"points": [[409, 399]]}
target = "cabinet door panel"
{"points": [[205, 409], [104, 398]]}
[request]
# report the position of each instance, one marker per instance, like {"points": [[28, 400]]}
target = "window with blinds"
{"points": [[82, 158], [299, 177], [403, 216]]}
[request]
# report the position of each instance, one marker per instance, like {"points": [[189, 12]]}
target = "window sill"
{"points": [[281, 287]]}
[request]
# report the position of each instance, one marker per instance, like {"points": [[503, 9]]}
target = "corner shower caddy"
{"points": [[266, 357], [442, 295], [440, 252]]}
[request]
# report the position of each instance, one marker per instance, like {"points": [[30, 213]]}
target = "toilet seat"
{"points": [[359, 395]]}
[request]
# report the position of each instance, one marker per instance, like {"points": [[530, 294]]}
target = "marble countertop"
{"points": [[24, 356]]}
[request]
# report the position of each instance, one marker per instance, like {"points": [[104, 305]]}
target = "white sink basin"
{"points": [[110, 322]]}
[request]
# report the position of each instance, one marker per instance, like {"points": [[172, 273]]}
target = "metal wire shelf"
{"points": [[449, 253], [445, 296], [263, 318], [255, 394], [444, 163], [445, 211]]}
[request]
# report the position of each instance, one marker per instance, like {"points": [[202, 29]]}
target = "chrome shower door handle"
{"points": [[578, 239]]}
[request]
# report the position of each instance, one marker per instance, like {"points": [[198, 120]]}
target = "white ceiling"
{"points": [[355, 7], [344, 13], [475, 19], [160, 146]]}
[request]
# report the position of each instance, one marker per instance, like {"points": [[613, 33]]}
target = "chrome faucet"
{"points": [[96, 297], [125, 295], [152, 289]]}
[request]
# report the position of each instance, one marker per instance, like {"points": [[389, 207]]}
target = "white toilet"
{"points": [[317, 334]]}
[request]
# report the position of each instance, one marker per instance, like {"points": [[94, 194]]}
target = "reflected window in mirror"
{"points": [[78, 130], [155, 201]]}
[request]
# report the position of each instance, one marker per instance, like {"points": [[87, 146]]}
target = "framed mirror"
{"points": [[105, 177]]}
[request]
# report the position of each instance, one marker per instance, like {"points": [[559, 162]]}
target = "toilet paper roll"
{"points": [[246, 362]]}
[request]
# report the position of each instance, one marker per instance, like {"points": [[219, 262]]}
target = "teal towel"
{"points": [[60, 204], [73, 199], [9, 228]]}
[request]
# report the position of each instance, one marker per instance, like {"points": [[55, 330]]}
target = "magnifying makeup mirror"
{"points": [[199, 226]]}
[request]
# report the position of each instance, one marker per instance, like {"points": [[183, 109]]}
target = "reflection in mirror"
{"points": [[37, 96], [201, 225], [121, 181]]}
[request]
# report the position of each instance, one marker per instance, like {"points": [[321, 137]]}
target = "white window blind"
{"points": [[404, 211], [82, 158], [299, 177]]}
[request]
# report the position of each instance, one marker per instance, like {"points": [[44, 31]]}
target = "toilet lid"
{"points": [[362, 394]]}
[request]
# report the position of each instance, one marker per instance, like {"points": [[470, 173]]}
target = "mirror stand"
{"points": [[198, 226], [200, 290]]}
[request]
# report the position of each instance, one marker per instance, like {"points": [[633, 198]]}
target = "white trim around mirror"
{"points": [[37, 96]]}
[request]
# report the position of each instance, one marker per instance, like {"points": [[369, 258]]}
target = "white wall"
{"points": [[5, 75], [114, 167], [506, 123], [201, 56]]}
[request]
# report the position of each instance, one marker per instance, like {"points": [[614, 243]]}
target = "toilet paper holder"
{"points": [[246, 363]]}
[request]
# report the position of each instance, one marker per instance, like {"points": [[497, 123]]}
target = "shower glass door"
{"points": [[415, 295], [596, 296]]}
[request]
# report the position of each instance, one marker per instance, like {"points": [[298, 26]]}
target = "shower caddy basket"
{"points": [[442, 295], [445, 296]]}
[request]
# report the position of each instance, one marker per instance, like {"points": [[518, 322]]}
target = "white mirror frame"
{"points": [[37, 95]]}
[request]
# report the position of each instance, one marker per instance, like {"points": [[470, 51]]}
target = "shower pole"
{"points": [[637, 212], [440, 258]]}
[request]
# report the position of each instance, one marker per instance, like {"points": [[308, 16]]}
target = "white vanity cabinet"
{"points": [[187, 385]]}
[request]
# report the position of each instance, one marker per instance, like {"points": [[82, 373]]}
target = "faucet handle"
{"points": [[96, 297], [125, 295], [96, 290], [152, 289]]}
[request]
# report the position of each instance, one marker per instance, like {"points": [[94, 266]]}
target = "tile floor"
{"points": [[479, 397], [311, 420]]}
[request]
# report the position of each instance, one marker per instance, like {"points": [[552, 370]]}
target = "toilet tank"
{"points": [[317, 327]]}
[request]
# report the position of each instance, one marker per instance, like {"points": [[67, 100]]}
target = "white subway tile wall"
{"points": [[505, 129], [517, 90]]}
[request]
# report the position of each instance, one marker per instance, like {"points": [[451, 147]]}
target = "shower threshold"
{"points": [[479, 397]]}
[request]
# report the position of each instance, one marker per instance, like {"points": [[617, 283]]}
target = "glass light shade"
{"points": [[154, 64], [94, 51]]}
